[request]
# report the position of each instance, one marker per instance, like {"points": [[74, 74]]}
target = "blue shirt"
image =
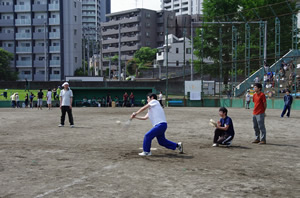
{"points": [[288, 100], [227, 121]]}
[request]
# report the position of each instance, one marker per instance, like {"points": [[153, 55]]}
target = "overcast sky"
{"points": [[119, 5]]}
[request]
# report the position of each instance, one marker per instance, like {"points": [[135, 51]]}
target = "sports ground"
{"points": [[98, 158]]}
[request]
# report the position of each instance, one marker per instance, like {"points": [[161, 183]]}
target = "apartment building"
{"points": [[93, 13], [181, 7], [137, 28], [44, 37]]}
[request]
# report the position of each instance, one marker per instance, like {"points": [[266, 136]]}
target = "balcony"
{"points": [[22, 8], [55, 77], [130, 29], [89, 2], [9, 49], [109, 41], [38, 49], [160, 20], [23, 36], [133, 38], [24, 50], [6, 22], [6, 8], [110, 32], [90, 20], [110, 50], [39, 21], [25, 22], [7, 36], [39, 63], [39, 7], [54, 63], [54, 49], [39, 35], [122, 21], [89, 14], [24, 63], [25, 76], [130, 48], [53, 7], [88, 8], [54, 35], [54, 21]]}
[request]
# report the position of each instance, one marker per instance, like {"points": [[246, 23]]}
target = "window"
{"points": [[75, 59], [177, 50], [56, 72], [177, 63], [75, 45], [188, 50], [147, 24], [147, 34], [75, 18], [41, 58], [74, 4], [75, 32], [148, 15]]}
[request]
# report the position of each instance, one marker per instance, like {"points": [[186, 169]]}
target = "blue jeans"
{"points": [[288, 108], [259, 127], [158, 131]]}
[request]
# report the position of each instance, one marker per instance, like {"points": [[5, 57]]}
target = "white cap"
{"points": [[65, 83]]}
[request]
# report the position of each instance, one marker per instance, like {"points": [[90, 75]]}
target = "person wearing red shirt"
{"points": [[260, 105]]}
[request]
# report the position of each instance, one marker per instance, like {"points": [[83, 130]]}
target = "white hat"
{"points": [[65, 83]]}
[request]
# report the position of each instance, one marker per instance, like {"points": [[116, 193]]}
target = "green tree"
{"points": [[131, 67], [144, 56], [6, 72], [80, 71], [233, 10]]}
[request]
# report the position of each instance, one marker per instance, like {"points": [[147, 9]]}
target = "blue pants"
{"points": [[158, 131], [288, 108]]}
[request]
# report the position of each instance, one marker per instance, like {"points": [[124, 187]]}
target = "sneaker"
{"points": [[180, 147], [145, 153], [72, 126], [255, 141], [60, 125], [262, 142], [215, 145], [228, 144]]}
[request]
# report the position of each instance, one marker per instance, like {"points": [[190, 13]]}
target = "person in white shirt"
{"points": [[66, 99], [158, 119], [248, 99], [160, 97], [49, 99]]}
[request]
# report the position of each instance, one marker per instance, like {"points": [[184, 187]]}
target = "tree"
{"points": [[233, 10], [131, 67], [145, 56], [6, 72], [80, 71]]}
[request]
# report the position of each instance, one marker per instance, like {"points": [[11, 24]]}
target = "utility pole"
{"points": [[88, 55], [100, 53], [119, 60], [184, 61], [84, 52], [192, 51], [167, 60], [45, 48]]}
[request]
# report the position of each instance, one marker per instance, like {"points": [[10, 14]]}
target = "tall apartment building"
{"points": [[43, 35], [137, 28], [181, 7], [93, 13]]}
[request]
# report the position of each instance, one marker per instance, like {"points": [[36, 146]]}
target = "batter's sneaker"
{"points": [[228, 144], [262, 142], [180, 147], [145, 153], [72, 126], [60, 125], [255, 141], [215, 145]]}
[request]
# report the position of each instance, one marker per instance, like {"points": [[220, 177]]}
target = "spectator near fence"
{"points": [[31, 100], [131, 98], [288, 100], [248, 99], [13, 100], [26, 100], [18, 100], [40, 99], [49, 99], [125, 98]]}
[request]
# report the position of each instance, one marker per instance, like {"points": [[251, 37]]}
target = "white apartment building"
{"points": [[182, 7]]}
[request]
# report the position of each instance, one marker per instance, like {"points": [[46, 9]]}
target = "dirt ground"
{"points": [[98, 158]]}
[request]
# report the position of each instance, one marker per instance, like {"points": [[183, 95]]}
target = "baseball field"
{"points": [[99, 158]]}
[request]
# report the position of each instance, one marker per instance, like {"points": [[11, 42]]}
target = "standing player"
{"points": [[260, 105], [288, 100], [49, 99], [66, 99], [40, 99], [160, 97], [224, 132], [248, 99], [157, 116]]}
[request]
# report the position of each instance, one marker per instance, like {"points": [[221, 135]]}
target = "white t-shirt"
{"points": [[160, 97], [66, 97], [49, 93], [156, 113], [247, 97]]}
